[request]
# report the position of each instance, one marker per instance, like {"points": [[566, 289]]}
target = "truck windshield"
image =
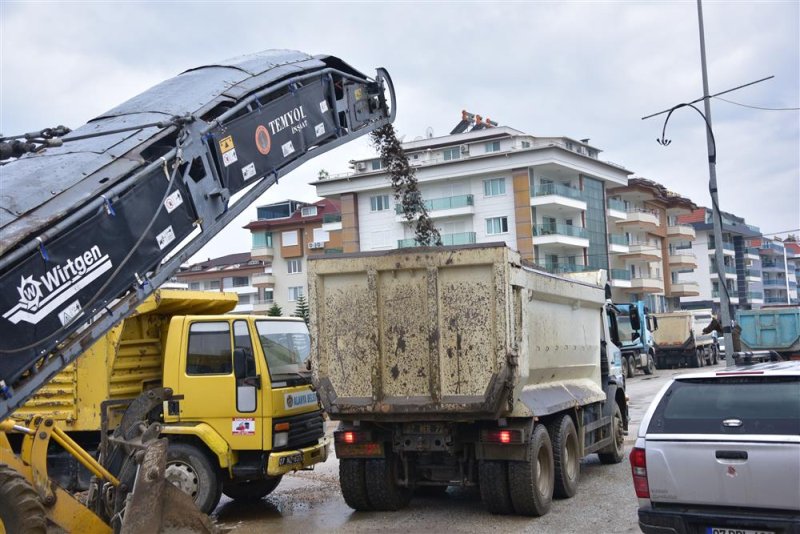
{"points": [[624, 327], [285, 344]]}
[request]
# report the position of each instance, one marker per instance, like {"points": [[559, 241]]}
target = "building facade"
{"points": [[232, 273], [780, 263]]}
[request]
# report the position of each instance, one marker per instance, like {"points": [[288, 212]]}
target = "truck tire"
{"points": [[651, 365], [695, 360], [190, 470], [494, 486], [625, 367], [250, 490], [714, 355], [614, 453], [566, 456], [631, 367], [531, 482], [21, 510], [353, 482], [384, 492]]}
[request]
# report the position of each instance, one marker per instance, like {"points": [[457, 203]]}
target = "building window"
{"points": [[295, 266], [321, 236], [209, 350], [451, 153], [244, 299], [194, 285], [526, 144], [497, 225], [295, 293], [376, 165], [494, 187], [289, 239], [241, 281], [213, 284], [268, 295], [262, 239], [308, 211], [493, 146], [379, 203]]}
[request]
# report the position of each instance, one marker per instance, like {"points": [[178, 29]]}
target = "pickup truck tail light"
{"points": [[639, 471]]}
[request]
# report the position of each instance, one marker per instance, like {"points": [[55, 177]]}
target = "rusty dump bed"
{"points": [[454, 331]]}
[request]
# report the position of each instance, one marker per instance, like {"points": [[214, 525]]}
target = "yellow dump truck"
{"points": [[242, 414]]}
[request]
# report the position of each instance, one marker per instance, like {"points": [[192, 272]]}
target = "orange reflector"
{"points": [[282, 427]]}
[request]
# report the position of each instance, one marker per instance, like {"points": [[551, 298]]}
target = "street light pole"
{"points": [[716, 216]]}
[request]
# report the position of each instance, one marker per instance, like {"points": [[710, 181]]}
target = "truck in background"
{"points": [[243, 412], [636, 327], [773, 328], [680, 341], [459, 366]]}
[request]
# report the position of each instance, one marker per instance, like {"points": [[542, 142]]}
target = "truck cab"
{"points": [[636, 327]]}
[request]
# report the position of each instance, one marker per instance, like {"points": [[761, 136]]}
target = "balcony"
{"points": [[774, 282], [754, 296], [681, 258], [620, 278], [681, 231], [771, 248], [684, 289], [642, 251], [727, 248], [772, 265], [558, 196], [618, 243], [776, 300], [560, 234], [262, 305], [650, 284], [462, 238], [443, 207], [753, 275], [751, 253], [730, 271], [331, 222], [733, 297], [262, 253], [557, 268], [616, 210], [640, 219], [263, 280]]}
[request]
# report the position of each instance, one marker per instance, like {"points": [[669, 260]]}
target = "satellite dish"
{"points": [[429, 132]]}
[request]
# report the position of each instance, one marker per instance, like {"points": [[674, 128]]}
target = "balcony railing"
{"points": [[730, 269], [567, 268], [620, 274], [654, 213], [774, 282], [731, 293], [725, 246], [444, 203], [617, 239], [752, 272], [557, 189], [755, 295], [559, 229], [771, 264], [776, 300], [615, 204], [333, 251], [751, 250], [462, 238], [331, 218]]}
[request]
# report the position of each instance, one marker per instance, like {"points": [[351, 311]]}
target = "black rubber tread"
{"points": [[384, 493], [250, 490], [616, 451], [631, 368], [625, 366], [694, 362], [527, 497], [209, 483], [353, 483], [651, 365], [494, 486], [562, 430], [715, 353], [21, 510]]}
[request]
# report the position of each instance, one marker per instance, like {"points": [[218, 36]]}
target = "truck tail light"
{"points": [[639, 471], [352, 437], [503, 436]]}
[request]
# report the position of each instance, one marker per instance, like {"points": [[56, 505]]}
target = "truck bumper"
{"points": [[280, 463], [687, 520]]}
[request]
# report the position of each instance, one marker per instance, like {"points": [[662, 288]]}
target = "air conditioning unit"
{"points": [[316, 244], [464, 149], [361, 166]]}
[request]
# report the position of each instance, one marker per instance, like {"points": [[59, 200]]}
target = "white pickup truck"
{"points": [[719, 453]]}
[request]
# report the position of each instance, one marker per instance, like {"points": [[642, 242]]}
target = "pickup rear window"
{"points": [[763, 404]]}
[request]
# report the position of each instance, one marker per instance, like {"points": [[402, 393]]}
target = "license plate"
{"points": [[293, 459], [729, 530], [424, 428]]}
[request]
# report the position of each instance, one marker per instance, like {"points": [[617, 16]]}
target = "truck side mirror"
{"points": [[608, 291], [636, 321], [655, 324]]}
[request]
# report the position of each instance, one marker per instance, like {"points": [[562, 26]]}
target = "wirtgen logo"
{"points": [[39, 298]]}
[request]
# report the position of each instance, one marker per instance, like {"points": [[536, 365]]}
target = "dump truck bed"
{"points": [[775, 329], [464, 331]]}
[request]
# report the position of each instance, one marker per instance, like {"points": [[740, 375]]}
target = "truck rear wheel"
{"points": [[614, 453], [190, 470], [531, 482], [384, 492], [696, 360], [250, 490], [353, 482], [651, 365], [494, 486], [625, 366], [566, 457], [631, 367], [21, 510]]}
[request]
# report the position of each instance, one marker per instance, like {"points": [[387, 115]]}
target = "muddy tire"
{"points": [[566, 456], [384, 492], [21, 510], [250, 490], [531, 482], [353, 482], [631, 368], [625, 366], [651, 365], [190, 470], [615, 452], [494, 486], [695, 360]]}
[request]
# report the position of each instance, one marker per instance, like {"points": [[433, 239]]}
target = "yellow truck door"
{"points": [[220, 383]]}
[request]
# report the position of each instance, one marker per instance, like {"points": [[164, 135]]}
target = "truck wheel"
{"points": [[695, 360], [384, 492], [614, 453], [353, 481], [714, 355], [21, 510], [494, 486], [651, 365], [531, 482], [566, 456], [625, 367], [631, 367], [190, 470], [250, 490]]}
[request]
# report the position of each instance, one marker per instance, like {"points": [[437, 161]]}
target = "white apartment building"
{"points": [[543, 196]]}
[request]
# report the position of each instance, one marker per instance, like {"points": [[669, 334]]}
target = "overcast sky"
{"points": [[578, 69]]}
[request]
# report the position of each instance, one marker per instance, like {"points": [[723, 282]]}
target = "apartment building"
{"points": [[742, 277], [780, 264], [649, 248], [284, 236], [543, 196], [233, 273]]}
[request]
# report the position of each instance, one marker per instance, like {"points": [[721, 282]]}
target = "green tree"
{"points": [[302, 308], [275, 311]]}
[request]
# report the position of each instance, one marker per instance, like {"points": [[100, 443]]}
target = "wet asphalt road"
{"points": [[311, 501]]}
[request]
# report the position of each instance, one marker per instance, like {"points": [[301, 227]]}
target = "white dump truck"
{"points": [[460, 366], [680, 340]]}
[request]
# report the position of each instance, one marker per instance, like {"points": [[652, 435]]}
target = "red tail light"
{"points": [[503, 436], [639, 471], [349, 437]]}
